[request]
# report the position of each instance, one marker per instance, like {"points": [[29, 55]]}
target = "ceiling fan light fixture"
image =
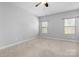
{"points": [[43, 1]]}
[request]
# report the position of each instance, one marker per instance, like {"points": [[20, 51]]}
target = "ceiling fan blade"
{"points": [[46, 4], [38, 4]]}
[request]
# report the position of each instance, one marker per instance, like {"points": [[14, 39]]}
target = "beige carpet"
{"points": [[42, 48]]}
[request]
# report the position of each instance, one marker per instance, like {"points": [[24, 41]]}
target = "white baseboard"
{"points": [[16, 43], [59, 39]]}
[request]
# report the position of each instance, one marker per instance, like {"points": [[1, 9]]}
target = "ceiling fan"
{"points": [[44, 2]]}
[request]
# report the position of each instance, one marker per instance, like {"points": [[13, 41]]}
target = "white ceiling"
{"points": [[54, 7]]}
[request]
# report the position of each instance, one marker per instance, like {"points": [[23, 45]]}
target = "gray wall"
{"points": [[56, 25], [16, 24]]}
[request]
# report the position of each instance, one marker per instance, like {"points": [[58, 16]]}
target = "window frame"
{"points": [[43, 27], [74, 26]]}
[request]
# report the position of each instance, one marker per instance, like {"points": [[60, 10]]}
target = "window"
{"points": [[69, 26], [44, 27]]}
